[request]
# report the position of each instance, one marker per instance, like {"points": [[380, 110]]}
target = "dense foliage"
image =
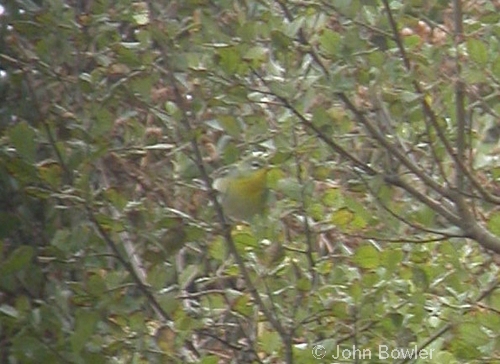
{"points": [[381, 122]]}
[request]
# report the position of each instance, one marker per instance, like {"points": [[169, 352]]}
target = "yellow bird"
{"points": [[243, 189]]}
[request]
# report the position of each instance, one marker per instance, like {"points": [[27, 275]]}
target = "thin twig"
{"points": [[212, 194]]}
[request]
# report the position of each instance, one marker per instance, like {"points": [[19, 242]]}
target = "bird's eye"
{"points": [[256, 164]]}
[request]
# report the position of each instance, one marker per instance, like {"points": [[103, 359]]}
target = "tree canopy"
{"points": [[380, 121]]}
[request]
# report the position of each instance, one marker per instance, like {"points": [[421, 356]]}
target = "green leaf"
{"points": [[412, 41], [330, 42], [495, 300], [367, 257], [391, 259], [142, 85], [108, 223], [22, 137], [420, 278], [169, 302], [494, 224], [157, 276], [496, 67], [332, 197], [210, 359], [478, 51], [18, 260], [9, 311], [243, 306], [217, 249], [342, 218], [488, 319], [103, 120], [50, 172], [304, 284], [85, 323], [256, 54], [270, 342], [230, 125], [280, 40], [244, 239], [23, 171], [186, 323], [96, 285], [356, 291], [472, 334], [187, 275], [8, 223], [127, 54], [474, 76], [290, 187], [229, 60], [321, 117], [137, 321]]}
